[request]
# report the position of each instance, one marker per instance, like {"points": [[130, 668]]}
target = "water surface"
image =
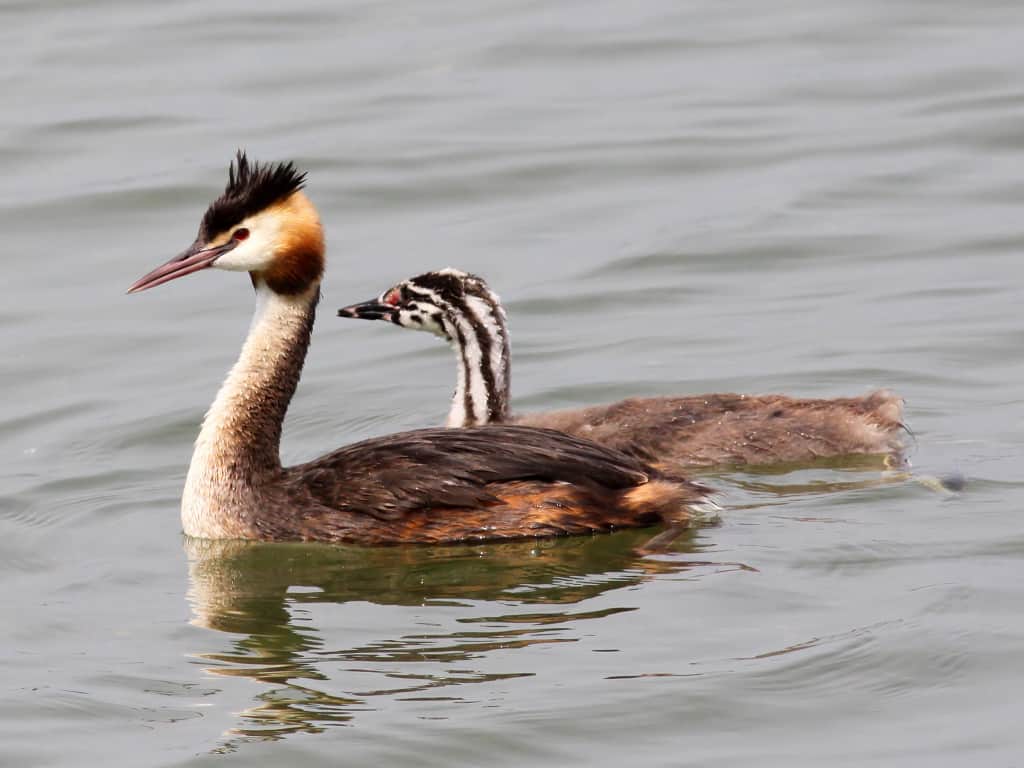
{"points": [[813, 198]]}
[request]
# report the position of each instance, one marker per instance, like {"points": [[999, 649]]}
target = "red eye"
{"points": [[240, 234], [393, 297]]}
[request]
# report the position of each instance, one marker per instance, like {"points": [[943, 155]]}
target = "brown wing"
{"points": [[389, 477]]}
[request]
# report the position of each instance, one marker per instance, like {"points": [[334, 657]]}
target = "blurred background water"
{"points": [[814, 198]]}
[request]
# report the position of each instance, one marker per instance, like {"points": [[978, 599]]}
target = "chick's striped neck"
{"points": [[477, 331]]}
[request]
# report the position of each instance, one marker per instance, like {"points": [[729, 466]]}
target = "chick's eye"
{"points": [[240, 234], [393, 297]]}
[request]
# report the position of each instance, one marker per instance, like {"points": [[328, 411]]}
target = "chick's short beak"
{"points": [[374, 309]]}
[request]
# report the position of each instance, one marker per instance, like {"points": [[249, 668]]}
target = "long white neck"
{"points": [[238, 445], [478, 334]]}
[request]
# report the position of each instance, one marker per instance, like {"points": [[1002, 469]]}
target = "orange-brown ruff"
{"points": [[682, 432], [431, 485]]}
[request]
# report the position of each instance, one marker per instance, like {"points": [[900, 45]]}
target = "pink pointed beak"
{"points": [[193, 259]]}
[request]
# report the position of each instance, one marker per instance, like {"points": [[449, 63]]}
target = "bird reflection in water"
{"points": [[263, 592]]}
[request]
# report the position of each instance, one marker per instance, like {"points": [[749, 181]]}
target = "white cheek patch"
{"points": [[408, 318], [431, 325], [257, 251], [421, 318]]}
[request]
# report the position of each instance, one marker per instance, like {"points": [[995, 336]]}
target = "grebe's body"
{"points": [[690, 431], [427, 486]]}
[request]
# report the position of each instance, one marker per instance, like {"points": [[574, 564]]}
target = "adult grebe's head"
{"points": [[262, 224], [433, 302]]}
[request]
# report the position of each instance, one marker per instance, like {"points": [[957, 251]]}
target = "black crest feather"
{"points": [[251, 188]]}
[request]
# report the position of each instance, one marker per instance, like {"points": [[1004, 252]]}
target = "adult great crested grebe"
{"points": [[690, 431], [426, 486]]}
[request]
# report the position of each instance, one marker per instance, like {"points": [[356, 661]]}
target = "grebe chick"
{"points": [[431, 485], [691, 431]]}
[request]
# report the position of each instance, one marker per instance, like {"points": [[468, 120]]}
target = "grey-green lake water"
{"points": [[816, 198]]}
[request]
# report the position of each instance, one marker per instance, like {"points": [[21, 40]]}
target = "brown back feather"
{"points": [[493, 482], [723, 429]]}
